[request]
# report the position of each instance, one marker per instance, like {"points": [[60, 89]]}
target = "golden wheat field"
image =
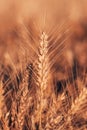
{"points": [[43, 65]]}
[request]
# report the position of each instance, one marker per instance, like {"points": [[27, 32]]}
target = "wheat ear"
{"points": [[2, 104], [82, 99], [42, 74], [1, 98], [23, 100]]}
